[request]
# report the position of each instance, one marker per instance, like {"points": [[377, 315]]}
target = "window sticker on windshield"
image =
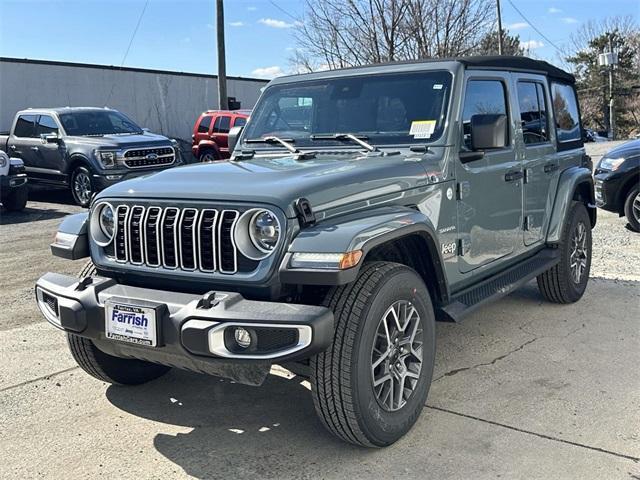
{"points": [[422, 128], [437, 86]]}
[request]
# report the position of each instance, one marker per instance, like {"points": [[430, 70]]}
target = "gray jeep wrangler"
{"points": [[359, 207]]}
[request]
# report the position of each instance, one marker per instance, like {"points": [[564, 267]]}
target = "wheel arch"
{"points": [[76, 160], [627, 186], [205, 145]]}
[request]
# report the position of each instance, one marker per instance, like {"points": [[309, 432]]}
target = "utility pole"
{"points": [[223, 101], [612, 107], [499, 27]]}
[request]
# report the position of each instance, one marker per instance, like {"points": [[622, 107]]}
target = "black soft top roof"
{"points": [[516, 63]]}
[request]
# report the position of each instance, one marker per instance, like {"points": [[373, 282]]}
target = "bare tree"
{"points": [[339, 33]]}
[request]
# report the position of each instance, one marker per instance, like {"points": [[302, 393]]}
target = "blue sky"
{"points": [[179, 35]]}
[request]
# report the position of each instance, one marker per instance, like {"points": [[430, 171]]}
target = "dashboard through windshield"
{"points": [[385, 109]]}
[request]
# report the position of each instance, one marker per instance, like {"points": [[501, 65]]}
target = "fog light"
{"points": [[114, 177], [242, 337]]}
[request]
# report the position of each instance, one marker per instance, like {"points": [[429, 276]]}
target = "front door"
{"points": [[490, 188], [541, 166], [50, 156]]}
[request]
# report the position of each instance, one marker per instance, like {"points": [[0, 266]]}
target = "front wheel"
{"points": [[371, 385], [567, 280], [632, 209], [82, 186], [16, 200]]}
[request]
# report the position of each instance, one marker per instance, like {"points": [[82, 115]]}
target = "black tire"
{"points": [[341, 377], [81, 186], [632, 209], [105, 367], [558, 284], [209, 155], [17, 199]]}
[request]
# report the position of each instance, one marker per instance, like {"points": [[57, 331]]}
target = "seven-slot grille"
{"points": [[147, 157], [179, 238]]}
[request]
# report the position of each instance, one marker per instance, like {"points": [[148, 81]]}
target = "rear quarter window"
{"points": [[566, 113]]}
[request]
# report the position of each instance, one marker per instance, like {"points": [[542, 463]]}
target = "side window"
{"points": [[565, 110], [482, 97], [224, 125], [532, 112], [240, 122], [25, 126], [205, 123], [47, 124]]}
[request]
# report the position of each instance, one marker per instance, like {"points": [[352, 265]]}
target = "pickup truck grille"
{"points": [[149, 157], [186, 239]]}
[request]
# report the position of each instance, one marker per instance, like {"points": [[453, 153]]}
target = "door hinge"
{"points": [[305, 214], [527, 172], [528, 223]]}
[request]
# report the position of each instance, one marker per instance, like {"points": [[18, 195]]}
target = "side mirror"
{"points": [[145, 130], [234, 133], [49, 138], [488, 131]]}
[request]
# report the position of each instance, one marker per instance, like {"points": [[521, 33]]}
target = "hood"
{"points": [[329, 181], [626, 150], [121, 141]]}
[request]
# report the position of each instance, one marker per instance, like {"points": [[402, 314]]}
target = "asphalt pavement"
{"points": [[523, 389]]}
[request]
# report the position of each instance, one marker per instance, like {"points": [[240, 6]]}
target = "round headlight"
{"points": [[264, 230], [257, 233], [103, 224], [106, 220]]}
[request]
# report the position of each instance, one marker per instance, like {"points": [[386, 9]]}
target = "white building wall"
{"points": [[165, 102]]}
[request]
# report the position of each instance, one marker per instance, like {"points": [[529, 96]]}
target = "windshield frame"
{"points": [[61, 115], [441, 127]]}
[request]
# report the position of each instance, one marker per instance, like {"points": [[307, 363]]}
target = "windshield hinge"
{"points": [[305, 214]]}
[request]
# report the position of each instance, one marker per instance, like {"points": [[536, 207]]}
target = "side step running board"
{"points": [[499, 285]]}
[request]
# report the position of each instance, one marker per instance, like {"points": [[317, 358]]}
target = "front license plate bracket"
{"points": [[142, 321]]}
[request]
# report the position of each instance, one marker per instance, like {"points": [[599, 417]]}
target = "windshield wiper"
{"points": [[346, 136], [286, 143]]}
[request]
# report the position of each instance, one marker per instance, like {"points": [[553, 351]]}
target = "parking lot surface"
{"points": [[522, 389]]}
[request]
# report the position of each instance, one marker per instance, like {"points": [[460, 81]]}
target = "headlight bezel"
{"points": [[98, 235], [243, 236], [107, 158]]}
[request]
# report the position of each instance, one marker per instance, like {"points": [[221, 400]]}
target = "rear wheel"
{"points": [[105, 367], [632, 209], [16, 200], [567, 280], [208, 156], [82, 186], [371, 385]]}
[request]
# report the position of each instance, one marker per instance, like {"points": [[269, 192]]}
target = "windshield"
{"points": [[384, 109], [97, 122]]}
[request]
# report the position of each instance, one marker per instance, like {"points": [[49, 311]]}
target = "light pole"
{"points": [[610, 60], [223, 101], [499, 27]]}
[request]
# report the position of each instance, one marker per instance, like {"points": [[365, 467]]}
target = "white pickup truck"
{"points": [[13, 183]]}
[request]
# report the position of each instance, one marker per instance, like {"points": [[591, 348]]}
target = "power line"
{"points": [[126, 53], [284, 11], [535, 28]]}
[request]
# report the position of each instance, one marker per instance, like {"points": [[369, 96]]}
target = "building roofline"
{"points": [[123, 69]]}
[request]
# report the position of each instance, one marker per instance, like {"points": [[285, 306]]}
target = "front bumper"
{"points": [[606, 188], [111, 177], [192, 330], [8, 183]]}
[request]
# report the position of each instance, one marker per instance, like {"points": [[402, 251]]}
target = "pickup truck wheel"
{"points": [[632, 209], [208, 156], [105, 367], [17, 199], [567, 280], [81, 186], [371, 385]]}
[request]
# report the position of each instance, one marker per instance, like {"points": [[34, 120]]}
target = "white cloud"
{"points": [[268, 72], [570, 20], [273, 23], [531, 44], [554, 10], [236, 24], [518, 26]]}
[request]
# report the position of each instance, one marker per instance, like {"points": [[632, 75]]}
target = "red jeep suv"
{"points": [[211, 131]]}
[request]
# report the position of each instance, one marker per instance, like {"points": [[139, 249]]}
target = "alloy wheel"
{"points": [[579, 252], [82, 187], [635, 207], [396, 356]]}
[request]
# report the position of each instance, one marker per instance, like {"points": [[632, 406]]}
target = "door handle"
{"points": [[551, 167], [513, 176], [35, 149]]}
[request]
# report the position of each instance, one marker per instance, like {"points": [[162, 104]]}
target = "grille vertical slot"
{"points": [[121, 250], [227, 252], [207, 240], [151, 236], [169, 238], [135, 235], [187, 238]]}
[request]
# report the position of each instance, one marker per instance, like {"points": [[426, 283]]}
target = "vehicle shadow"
{"points": [[237, 430], [50, 195], [30, 214]]}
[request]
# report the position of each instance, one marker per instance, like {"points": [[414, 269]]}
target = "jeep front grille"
{"points": [[179, 238], [149, 157]]}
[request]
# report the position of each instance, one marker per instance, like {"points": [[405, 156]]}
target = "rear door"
{"points": [[221, 133], [24, 143], [490, 188], [540, 163]]}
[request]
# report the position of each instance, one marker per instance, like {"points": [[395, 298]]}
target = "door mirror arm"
{"points": [[472, 156]]}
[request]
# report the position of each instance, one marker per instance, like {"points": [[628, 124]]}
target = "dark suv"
{"points": [[211, 132], [85, 149], [359, 206]]}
